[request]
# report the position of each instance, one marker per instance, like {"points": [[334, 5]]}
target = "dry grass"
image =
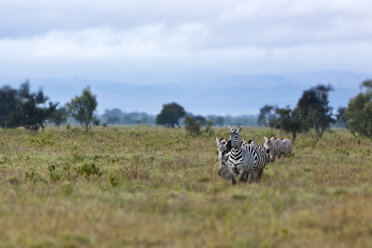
{"points": [[156, 187]]}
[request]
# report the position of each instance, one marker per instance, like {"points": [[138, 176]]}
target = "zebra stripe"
{"points": [[242, 161], [223, 150], [261, 158]]}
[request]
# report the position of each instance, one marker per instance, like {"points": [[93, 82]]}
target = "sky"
{"points": [[213, 57]]}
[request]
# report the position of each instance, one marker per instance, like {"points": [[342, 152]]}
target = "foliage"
{"points": [[88, 169], [359, 111], [82, 108], [31, 112], [289, 120], [54, 174], [267, 116], [170, 115], [59, 116], [8, 104], [314, 109], [192, 126], [202, 120]]}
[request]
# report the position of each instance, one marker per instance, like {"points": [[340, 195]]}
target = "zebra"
{"points": [[223, 149], [285, 147], [277, 146], [262, 158], [242, 159], [269, 144]]}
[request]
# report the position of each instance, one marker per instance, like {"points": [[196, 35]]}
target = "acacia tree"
{"points": [[32, 109], [289, 120], [82, 108], [359, 111], [170, 115], [314, 109]]}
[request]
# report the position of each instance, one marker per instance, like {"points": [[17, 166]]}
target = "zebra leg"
{"points": [[233, 179], [259, 175], [242, 175], [252, 178]]}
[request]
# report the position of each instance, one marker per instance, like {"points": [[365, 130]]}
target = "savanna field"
{"points": [[155, 187]]}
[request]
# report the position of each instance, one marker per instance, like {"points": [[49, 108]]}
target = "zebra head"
{"points": [[222, 147], [269, 146], [235, 138]]}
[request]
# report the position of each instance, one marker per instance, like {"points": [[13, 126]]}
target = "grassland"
{"points": [[157, 187]]}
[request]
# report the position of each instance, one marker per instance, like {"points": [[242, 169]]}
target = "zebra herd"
{"points": [[248, 158]]}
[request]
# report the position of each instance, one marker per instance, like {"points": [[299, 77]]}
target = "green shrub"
{"points": [[88, 169], [54, 174], [114, 180]]}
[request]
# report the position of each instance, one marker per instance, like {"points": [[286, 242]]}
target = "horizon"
{"points": [[197, 98]]}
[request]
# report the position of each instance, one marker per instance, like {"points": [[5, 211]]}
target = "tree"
{"points": [[31, 111], [359, 111], [314, 109], [202, 120], [267, 115], [59, 116], [82, 108], [192, 126], [170, 115], [289, 120], [8, 104]]}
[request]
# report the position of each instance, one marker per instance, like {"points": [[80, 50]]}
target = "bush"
{"points": [[88, 169], [192, 126]]}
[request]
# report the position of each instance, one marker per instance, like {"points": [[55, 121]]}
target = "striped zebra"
{"points": [[262, 158], [223, 149], [244, 160]]}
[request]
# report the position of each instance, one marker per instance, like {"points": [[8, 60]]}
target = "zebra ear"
{"points": [[265, 138], [218, 141], [239, 129]]}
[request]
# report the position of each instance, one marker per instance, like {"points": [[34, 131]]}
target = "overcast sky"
{"points": [[180, 42]]}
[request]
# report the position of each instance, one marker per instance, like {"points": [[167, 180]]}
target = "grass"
{"points": [[156, 187]]}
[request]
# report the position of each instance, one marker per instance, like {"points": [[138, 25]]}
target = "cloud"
{"points": [[165, 40]]}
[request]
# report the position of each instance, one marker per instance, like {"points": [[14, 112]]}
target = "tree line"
{"points": [[32, 110], [313, 112]]}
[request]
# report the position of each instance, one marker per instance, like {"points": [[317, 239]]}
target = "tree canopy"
{"points": [[82, 108], [314, 109], [359, 111], [266, 115], [23, 108], [170, 115], [8, 104]]}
